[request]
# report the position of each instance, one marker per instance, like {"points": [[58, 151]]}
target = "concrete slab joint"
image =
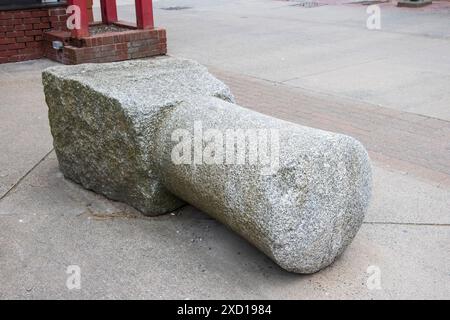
{"points": [[155, 134], [413, 3]]}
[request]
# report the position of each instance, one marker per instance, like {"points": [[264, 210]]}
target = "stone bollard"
{"points": [[301, 205], [158, 133]]}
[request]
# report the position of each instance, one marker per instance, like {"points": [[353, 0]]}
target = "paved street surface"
{"points": [[316, 66]]}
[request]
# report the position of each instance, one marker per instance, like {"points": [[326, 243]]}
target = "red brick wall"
{"points": [[108, 47], [21, 32]]}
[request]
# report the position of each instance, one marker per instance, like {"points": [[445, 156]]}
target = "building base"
{"points": [[127, 43], [22, 30]]}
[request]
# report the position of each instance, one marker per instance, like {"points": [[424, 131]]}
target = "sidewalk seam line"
{"points": [[25, 175], [408, 223]]}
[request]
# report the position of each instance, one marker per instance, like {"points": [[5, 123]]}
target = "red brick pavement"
{"points": [[412, 143]]}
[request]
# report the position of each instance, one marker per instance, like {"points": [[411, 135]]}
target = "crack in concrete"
{"points": [[407, 223], [330, 70], [25, 175]]}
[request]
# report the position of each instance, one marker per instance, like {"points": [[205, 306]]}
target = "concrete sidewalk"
{"points": [[48, 223], [328, 49]]}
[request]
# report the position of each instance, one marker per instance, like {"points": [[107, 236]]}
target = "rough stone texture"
{"points": [[304, 215], [113, 124], [103, 118]]}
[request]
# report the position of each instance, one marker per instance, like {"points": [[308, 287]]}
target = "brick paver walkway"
{"points": [[409, 142]]}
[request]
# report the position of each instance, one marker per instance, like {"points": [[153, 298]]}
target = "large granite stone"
{"points": [[118, 129], [103, 118], [302, 210]]}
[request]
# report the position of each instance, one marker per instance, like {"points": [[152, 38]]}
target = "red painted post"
{"points": [[144, 14], [109, 11], [83, 30]]}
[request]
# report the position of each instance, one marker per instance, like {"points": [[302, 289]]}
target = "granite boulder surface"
{"points": [[163, 132]]}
